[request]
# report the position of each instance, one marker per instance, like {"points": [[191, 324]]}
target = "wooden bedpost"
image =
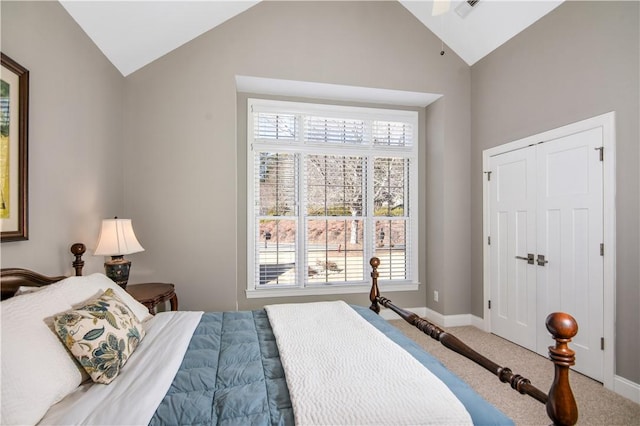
{"points": [[78, 250], [561, 405], [375, 292]]}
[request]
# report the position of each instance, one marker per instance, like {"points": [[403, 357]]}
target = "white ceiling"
{"points": [[489, 24], [134, 33]]}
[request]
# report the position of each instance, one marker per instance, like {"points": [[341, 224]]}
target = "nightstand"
{"points": [[151, 294]]}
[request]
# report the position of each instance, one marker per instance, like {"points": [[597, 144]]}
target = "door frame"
{"points": [[607, 123]]}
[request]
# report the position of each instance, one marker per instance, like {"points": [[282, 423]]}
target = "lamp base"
{"points": [[117, 269]]}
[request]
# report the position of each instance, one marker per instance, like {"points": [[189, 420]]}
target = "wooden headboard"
{"points": [[13, 278]]}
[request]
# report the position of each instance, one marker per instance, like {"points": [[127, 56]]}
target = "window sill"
{"points": [[334, 289]]}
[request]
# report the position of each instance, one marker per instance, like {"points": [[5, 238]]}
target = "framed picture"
{"points": [[14, 127]]}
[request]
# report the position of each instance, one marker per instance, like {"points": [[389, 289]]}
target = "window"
{"points": [[328, 188]]}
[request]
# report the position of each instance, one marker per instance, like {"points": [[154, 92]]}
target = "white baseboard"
{"points": [[437, 318], [627, 388], [388, 314], [478, 322]]}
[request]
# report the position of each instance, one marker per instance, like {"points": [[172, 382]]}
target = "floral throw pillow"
{"points": [[101, 335]]}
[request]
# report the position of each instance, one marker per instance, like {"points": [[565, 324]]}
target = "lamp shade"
{"points": [[117, 238]]}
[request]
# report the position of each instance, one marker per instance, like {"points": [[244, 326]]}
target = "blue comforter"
{"points": [[231, 375]]}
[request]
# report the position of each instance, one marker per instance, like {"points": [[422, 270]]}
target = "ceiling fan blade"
{"points": [[440, 7]]}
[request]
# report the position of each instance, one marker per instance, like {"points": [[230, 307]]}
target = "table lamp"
{"points": [[117, 239]]}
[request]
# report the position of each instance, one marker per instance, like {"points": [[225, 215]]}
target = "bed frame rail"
{"points": [[560, 402], [11, 279]]}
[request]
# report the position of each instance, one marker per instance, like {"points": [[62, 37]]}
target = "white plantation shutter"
{"points": [[273, 126], [391, 196], [275, 180], [335, 200], [335, 185], [329, 187], [392, 133], [333, 130]]}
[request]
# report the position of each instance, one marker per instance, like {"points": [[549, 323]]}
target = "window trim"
{"points": [[339, 111]]}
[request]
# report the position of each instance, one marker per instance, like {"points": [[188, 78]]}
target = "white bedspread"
{"points": [[133, 397], [378, 382]]}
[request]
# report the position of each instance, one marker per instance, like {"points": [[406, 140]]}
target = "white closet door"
{"points": [[546, 201], [569, 234], [513, 233]]}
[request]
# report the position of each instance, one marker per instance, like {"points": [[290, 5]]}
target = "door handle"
{"points": [[529, 258], [541, 261]]}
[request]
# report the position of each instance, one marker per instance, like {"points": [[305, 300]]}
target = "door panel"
{"points": [[513, 221], [570, 230]]}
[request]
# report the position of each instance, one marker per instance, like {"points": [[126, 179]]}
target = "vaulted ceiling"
{"points": [[134, 33]]}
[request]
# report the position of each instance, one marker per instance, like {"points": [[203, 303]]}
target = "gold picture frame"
{"points": [[14, 128]]}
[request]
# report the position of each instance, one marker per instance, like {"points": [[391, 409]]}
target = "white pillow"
{"points": [[23, 289], [80, 289], [37, 370]]}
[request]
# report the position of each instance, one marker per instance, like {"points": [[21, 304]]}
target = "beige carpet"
{"points": [[596, 405]]}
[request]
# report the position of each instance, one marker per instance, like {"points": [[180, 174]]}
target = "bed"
{"points": [[63, 362]]}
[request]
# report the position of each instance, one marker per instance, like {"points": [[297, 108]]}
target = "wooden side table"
{"points": [[151, 294]]}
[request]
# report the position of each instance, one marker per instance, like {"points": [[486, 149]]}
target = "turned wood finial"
{"points": [[78, 249], [562, 326], [375, 292], [561, 405]]}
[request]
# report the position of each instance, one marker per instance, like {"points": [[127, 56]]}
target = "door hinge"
{"points": [[489, 240], [601, 149], [601, 249], [602, 343], [488, 175], [489, 304]]}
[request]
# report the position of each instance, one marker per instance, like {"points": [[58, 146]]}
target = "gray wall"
{"points": [[579, 61], [185, 190], [75, 135]]}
